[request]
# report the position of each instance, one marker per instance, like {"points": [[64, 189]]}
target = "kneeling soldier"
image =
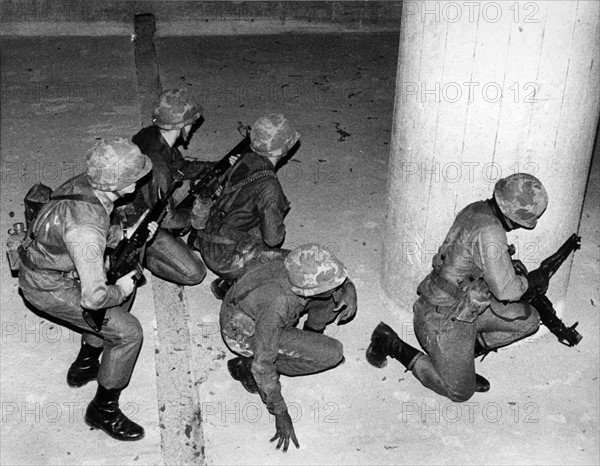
{"points": [[470, 302], [258, 321]]}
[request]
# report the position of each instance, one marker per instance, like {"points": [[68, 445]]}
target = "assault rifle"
{"points": [[126, 255], [206, 183], [566, 335]]}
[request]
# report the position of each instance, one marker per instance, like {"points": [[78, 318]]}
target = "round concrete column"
{"points": [[484, 90]]}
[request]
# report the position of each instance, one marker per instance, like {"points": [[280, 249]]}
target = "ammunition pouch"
{"points": [[472, 296]]}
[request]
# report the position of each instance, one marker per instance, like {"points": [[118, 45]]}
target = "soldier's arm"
{"points": [[492, 256], [189, 169], [269, 326], [272, 207], [86, 245]]}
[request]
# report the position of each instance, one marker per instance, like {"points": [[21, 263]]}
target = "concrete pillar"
{"points": [[486, 89]]}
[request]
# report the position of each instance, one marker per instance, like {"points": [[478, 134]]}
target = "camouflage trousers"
{"points": [[300, 352], [121, 335], [448, 368]]}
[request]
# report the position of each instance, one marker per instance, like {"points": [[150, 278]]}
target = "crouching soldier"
{"points": [[168, 256], [469, 304], [62, 273], [245, 223], [258, 322]]}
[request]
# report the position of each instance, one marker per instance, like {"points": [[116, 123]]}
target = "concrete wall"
{"points": [[175, 17]]}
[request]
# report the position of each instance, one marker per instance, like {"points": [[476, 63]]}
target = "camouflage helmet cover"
{"points": [[115, 163], [312, 269], [522, 198], [174, 109], [272, 136]]}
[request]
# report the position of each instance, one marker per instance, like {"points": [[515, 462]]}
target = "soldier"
{"points": [[245, 224], [62, 272], [258, 322], [469, 304], [168, 256]]}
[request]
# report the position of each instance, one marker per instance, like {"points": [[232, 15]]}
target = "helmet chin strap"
{"points": [[506, 223]]}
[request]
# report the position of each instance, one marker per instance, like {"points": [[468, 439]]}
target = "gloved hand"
{"points": [[538, 280], [346, 301], [284, 431]]}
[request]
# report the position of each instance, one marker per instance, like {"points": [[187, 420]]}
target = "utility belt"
{"points": [[472, 296], [28, 264]]}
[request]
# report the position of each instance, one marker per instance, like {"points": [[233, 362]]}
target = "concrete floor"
{"points": [[59, 94]]}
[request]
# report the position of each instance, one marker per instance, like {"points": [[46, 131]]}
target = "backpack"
{"points": [[36, 198]]}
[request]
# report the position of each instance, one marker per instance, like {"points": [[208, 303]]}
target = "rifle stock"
{"points": [[126, 256], [566, 335]]}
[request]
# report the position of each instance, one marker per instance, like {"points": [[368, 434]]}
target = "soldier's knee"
{"points": [[194, 275], [129, 331], [335, 353], [460, 396]]}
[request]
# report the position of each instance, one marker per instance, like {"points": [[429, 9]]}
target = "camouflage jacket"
{"points": [[265, 296], [250, 202], [167, 163], [70, 237], [476, 246]]}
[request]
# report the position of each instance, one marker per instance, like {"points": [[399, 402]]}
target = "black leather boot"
{"points": [[481, 384], [191, 239], [104, 413], [85, 367], [385, 342], [220, 287], [239, 368]]}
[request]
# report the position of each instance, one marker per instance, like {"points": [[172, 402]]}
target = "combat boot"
{"points": [[85, 367], [104, 413], [385, 342], [482, 384], [239, 368], [220, 287]]}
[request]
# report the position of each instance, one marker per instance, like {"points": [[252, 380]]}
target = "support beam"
{"points": [[484, 90]]}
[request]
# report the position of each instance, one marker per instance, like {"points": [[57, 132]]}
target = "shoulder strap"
{"points": [[65, 197], [77, 197]]}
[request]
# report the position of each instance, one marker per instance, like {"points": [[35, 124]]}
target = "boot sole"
{"points": [[375, 362], [93, 425], [72, 385], [252, 389]]}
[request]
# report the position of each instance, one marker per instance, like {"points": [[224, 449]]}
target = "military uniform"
{"points": [[475, 248], [258, 319], [246, 223], [167, 256]]}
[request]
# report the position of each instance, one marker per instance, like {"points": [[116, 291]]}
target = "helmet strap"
{"points": [[506, 223]]}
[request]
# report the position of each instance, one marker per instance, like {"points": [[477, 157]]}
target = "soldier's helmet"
{"points": [[312, 269], [174, 109], [272, 136], [115, 163], [522, 198]]}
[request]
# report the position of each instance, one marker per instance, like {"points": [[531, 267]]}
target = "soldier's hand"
{"points": [[346, 301], [538, 280], [152, 227], [233, 159], [127, 283], [284, 431]]}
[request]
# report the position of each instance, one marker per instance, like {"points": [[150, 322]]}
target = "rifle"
{"points": [[568, 336], [206, 183], [126, 256]]}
